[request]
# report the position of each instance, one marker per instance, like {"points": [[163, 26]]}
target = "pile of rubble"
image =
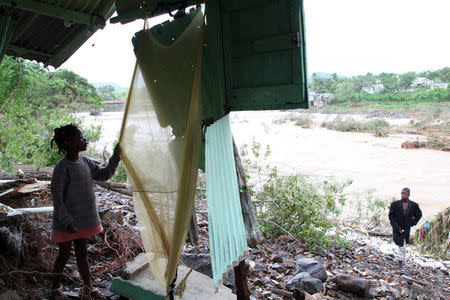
{"points": [[27, 254], [278, 268]]}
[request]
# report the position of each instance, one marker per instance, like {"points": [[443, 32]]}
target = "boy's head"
{"points": [[69, 138], [405, 193]]}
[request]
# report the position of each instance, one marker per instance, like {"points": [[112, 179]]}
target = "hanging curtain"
{"points": [[160, 140]]}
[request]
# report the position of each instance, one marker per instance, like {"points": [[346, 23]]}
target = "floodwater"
{"points": [[372, 163]]}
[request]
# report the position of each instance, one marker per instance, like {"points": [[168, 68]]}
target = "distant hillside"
{"points": [[114, 85]]}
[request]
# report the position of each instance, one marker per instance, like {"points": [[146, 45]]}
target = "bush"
{"points": [[434, 237], [28, 141], [303, 120], [120, 175], [378, 127], [292, 204], [297, 205], [34, 101]]}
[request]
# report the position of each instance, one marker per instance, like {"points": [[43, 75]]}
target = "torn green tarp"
{"points": [[227, 235]]}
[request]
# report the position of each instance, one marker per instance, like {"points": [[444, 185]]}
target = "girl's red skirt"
{"points": [[64, 236]]}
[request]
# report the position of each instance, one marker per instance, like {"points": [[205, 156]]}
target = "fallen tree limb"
{"points": [[283, 293], [117, 187], [281, 228]]}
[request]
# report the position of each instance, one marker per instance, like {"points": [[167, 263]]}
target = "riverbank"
{"points": [[372, 163]]}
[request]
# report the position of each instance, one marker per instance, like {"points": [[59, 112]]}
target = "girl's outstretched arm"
{"points": [[104, 173]]}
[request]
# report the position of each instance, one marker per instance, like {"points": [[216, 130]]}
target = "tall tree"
{"points": [[347, 90], [389, 81], [406, 79], [444, 74], [37, 101], [106, 92]]}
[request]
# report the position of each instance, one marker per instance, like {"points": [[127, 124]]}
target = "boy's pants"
{"points": [[401, 255]]}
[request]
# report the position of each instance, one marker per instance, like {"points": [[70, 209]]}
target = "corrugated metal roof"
{"points": [[51, 31]]}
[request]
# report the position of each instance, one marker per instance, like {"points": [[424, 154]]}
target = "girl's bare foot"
{"points": [[90, 293], [57, 294]]}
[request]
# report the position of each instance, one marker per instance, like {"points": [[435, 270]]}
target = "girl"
{"points": [[75, 215]]}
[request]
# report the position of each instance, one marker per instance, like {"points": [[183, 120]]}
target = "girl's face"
{"points": [[77, 143]]}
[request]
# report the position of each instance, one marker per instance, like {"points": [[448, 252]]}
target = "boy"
{"points": [[403, 214]]}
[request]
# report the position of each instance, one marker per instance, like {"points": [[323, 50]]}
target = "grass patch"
{"points": [[378, 127], [302, 120], [438, 142], [434, 237], [367, 106]]}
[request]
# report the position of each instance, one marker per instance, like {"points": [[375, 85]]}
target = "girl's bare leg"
{"points": [[83, 266], [82, 260], [60, 262]]}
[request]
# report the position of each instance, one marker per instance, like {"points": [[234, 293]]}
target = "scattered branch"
{"points": [[281, 228]]}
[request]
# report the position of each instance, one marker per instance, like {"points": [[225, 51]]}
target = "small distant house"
{"points": [[319, 99], [422, 81], [439, 86], [111, 105], [374, 89]]}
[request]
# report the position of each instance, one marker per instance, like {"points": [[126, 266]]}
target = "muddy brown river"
{"points": [[372, 163]]}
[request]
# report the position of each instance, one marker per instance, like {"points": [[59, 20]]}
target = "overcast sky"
{"points": [[348, 37]]}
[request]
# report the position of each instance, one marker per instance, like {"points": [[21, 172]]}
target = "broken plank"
{"points": [[32, 187]]}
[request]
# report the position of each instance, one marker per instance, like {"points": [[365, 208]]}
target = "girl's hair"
{"points": [[63, 134]]}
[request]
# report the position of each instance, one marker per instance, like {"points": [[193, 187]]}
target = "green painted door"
{"points": [[264, 54]]}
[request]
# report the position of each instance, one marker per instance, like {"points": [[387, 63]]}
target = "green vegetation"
{"points": [[384, 87], [421, 95], [107, 92], [121, 174], [378, 127], [33, 101], [370, 213], [121, 94], [293, 204], [302, 120], [434, 236]]}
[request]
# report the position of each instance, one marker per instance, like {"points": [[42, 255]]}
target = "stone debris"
{"points": [[278, 268]]}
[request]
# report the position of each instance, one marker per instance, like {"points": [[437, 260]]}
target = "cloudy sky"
{"points": [[348, 37]]}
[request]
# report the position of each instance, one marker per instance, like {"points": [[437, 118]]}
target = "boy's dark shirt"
{"points": [[399, 220]]}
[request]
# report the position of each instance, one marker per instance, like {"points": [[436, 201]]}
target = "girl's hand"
{"points": [[72, 227], [117, 150]]}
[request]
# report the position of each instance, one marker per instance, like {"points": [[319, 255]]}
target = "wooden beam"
{"points": [[152, 10], [250, 223], [72, 45], [240, 275], [55, 12], [21, 50], [193, 230], [7, 28]]}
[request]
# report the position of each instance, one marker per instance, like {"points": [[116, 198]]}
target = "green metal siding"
{"points": [[265, 61], [50, 31]]}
